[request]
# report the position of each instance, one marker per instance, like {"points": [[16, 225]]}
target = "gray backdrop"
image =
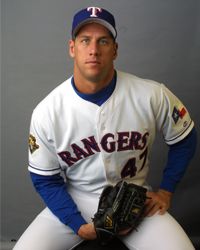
{"points": [[158, 39]]}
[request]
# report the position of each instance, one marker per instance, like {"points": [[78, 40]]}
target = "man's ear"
{"points": [[71, 48]]}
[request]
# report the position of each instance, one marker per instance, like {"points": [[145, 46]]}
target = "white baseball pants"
{"points": [[158, 232]]}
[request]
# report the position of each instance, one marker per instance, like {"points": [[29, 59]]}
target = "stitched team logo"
{"points": [[33, 146], [178, 114], [94, 11], [108, 222], [135, 210]]}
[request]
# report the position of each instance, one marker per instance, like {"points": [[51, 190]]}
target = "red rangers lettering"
{"points": [[79, 152], [125, 141]]}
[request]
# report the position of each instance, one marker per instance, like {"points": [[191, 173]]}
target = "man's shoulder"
{"points": [[136, 82], [55, 97]]}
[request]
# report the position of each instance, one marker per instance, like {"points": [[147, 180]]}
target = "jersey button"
{"points": [[103, 127]]}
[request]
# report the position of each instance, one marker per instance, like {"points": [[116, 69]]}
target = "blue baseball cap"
{"points": [[94, 15]]}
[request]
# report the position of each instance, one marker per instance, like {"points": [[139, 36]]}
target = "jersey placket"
{"points": [[103, 130]]}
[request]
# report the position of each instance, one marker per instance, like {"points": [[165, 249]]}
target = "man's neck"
{"points": [[87, 86], [99, 97]]}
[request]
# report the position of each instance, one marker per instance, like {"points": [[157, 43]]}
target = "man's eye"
{"points": [[85, 41], [103, 41]]}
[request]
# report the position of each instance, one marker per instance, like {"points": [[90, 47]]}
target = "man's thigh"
{"points": [[46, 232], [158, 232]]}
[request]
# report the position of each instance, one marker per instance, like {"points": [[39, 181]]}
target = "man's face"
{"points": [[93, 51]]}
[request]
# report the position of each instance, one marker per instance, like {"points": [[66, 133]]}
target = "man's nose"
{"points": [[94, 48]]}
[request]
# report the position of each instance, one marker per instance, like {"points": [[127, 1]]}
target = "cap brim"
{"points": [[95, 20]]}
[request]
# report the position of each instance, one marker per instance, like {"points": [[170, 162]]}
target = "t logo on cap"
{"points": [[94, 10]]}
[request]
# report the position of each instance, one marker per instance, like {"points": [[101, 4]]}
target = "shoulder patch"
{"points": [[33, 146], [178, 114]]}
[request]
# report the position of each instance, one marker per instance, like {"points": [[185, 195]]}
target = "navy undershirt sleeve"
{"points": [[179, 156], [53, 191]]}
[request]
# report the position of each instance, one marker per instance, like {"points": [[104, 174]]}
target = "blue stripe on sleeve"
{"points": [[53, 191], [179, 156]]}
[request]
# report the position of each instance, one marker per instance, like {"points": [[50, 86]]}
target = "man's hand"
{"points": [[157, 202], [87, 232]]}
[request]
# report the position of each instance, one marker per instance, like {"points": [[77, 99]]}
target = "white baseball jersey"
{"points": [[97, 145]]}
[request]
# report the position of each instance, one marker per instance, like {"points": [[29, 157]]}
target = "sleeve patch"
{"points": [[178, 114], [33, 146]]}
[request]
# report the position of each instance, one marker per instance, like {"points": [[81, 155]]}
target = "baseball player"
{"points": [[95, 129]]}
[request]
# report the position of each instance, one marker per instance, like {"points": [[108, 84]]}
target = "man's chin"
{"points": [[95, 77]]}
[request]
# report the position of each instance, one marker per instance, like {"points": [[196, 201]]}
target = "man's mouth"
{"points": [[92, 62]]}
